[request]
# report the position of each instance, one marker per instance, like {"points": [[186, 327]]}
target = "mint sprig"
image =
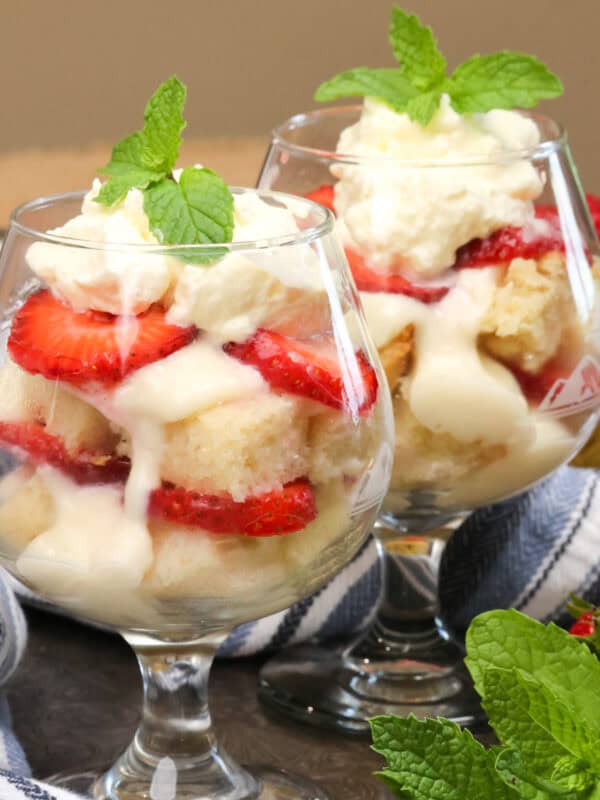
{"points": [[500, 80], [541, 690], [435, 758], [148, 155], [197, 209]]}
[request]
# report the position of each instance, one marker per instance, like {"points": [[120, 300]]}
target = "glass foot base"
{"points": [[319, 686], [272, 784]]}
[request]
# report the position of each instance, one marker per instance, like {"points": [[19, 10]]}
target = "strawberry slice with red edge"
{"points": [[324, 195], [593, 202], [307, 368], [50, 338], [367, 280], [510, 242], [269, 514], [536, 387], [40, 447], [507, 243]]}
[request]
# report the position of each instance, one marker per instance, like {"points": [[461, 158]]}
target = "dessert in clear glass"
{"points": [[196, 438], [476, 259]]}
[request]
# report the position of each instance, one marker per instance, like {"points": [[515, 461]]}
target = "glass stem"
{"points": [[174, 753], [406, 649]]}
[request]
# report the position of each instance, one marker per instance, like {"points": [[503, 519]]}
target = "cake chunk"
{"points": [[531, 310], [245, 447], [32, 398], [26, 509], [424, 458], [396, 356], [340, 447], [197, 563]]}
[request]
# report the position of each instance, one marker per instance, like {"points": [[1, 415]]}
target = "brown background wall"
{"points": [[79, 71]]}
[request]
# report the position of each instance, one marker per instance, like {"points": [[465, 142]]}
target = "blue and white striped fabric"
{"points": [[529, 553]]}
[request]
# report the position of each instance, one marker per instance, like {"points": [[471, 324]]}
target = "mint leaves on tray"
{"points": [[540, 688], [196, 209], [482, 83]]}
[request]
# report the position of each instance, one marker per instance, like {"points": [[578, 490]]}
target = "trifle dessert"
{"points": [[478, 293], [466, 230], [193, 436]]}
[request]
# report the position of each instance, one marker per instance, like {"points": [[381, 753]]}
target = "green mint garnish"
{"points": [[148, 155], [196, 210], [540, 687], [435, 756], [500, 80]]}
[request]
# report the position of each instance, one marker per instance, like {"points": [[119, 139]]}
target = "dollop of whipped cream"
{"points": [[414, 218], [105, 278], [281, 288], [229, 299]]}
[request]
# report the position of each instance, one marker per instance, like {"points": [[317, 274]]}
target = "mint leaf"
{"points": [[388, 85], [127, 170], [529, 785], [197, 210], [573, 774], [163, 124], [501, 80], [127, 154], [506, 705], [116, 189], [510, 640], [422, 108], [147, 156], [433, 759], [558, 718], [416, 51]]}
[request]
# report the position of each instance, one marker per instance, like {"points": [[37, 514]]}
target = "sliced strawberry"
{"points": [[547, 212], [593, 202], [307, 368], [367, 280], [508, 243], [323, 195], [582, 628], [51, 339], [268, 514], [41, 447], [536, 387]]}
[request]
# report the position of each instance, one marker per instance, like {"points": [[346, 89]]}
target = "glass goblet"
{"points": [[201, 489], [492, 366]]}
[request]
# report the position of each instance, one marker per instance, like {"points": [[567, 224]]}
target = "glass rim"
{"points": [[547, 146], [302, 236]]}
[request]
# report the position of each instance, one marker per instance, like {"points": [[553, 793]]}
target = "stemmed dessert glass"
{"points": [[147, 507], [495, 380]]}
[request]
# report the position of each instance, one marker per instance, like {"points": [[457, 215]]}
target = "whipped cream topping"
{"points": [[281, 289], [414, 218], [230, 299], [112, 280]]}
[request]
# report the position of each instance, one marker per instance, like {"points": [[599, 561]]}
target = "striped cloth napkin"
{"points": [[529, 553]]}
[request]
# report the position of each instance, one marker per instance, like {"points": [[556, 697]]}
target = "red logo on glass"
{"points": [[578, 392]]}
